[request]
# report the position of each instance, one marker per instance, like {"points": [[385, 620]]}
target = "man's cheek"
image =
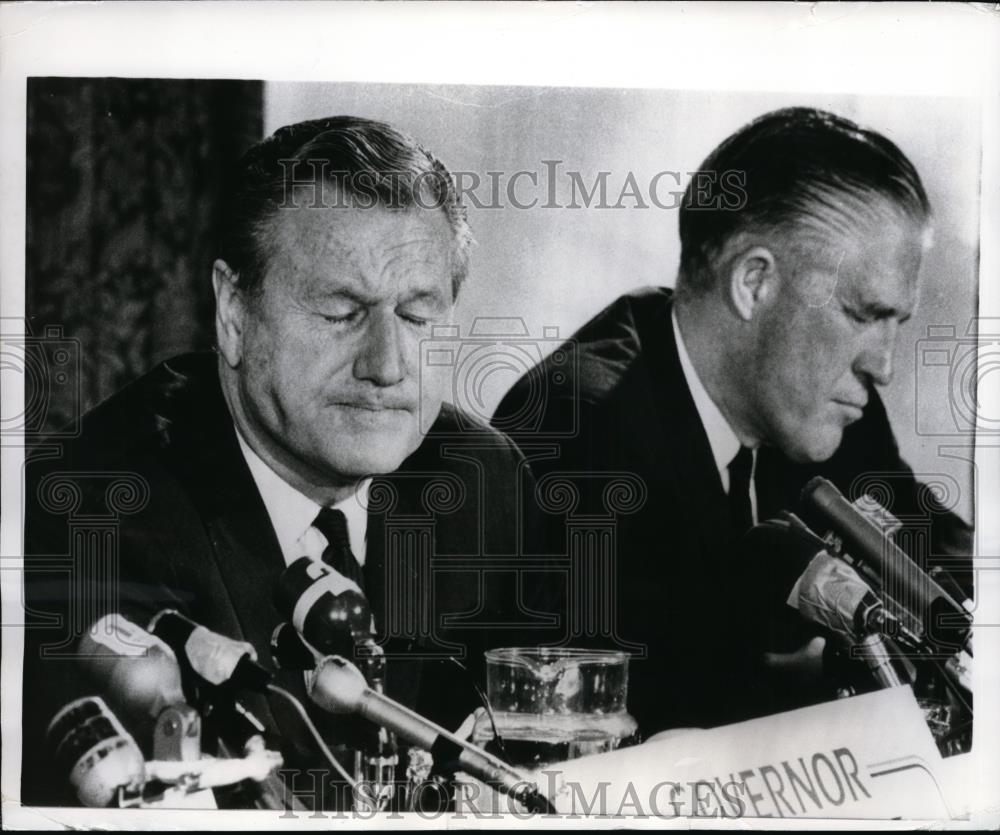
{"points": [[434, 384]]}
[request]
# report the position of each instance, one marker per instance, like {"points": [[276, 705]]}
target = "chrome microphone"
{"points": [[93, 749], [339, 687]]}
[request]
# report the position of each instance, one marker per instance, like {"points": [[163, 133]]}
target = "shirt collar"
{"points": [[292, 513], [721, 437]]}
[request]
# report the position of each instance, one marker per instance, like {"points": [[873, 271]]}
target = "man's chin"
{"points": [[815, 447], [361, 456]]}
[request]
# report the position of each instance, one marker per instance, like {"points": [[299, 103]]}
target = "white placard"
{"points": [[869, 757]]}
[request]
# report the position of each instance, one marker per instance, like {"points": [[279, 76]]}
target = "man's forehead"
{"points": [[365, 242], [354, 226], [861, 262], [883, 261]]}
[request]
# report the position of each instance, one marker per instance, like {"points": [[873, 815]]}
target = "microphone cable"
{"points": [[486, 705], [301, 711]]}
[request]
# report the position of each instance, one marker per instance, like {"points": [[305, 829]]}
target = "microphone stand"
{"points": [[376, 762]]}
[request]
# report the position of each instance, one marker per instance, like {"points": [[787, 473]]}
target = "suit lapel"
{"points": [[206, 454], [250, 562], [687, 461]]}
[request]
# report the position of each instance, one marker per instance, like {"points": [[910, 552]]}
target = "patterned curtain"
{"points": [[124, 179]]}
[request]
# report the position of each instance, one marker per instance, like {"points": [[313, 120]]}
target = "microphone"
{"points": [[831, 594], [824, 589], [939, 617], [101, 759], [327, 609], [331, 617], [226, 666], [140, 670], [95, 751], [214, 658], [339, 687]]}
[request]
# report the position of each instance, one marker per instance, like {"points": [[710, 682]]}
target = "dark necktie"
{"points": [[337, 554], [740, 511]]}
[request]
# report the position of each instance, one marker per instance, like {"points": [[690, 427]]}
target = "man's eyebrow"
{"points": [[360, 298], [424, 295], [337, 293], [884, 311]]}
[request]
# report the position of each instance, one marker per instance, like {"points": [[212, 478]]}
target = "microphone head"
{"points": [[215, 658], [137, 670], [94, 751], [818, 500], [327, 609], [830, 593], [220, 660], [337, 686], [817, 483]]}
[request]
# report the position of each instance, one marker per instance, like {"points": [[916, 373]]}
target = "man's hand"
{"points": [[805, 665], [662, 736], [468, 725]]}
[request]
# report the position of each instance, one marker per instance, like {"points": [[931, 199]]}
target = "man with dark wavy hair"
{"points": [[300, 436], [729, 393]]}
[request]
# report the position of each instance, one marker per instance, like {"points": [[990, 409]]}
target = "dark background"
{"points": [[124, 179]]}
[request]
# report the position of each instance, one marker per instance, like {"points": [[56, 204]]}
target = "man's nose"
{"points": [[875, 360], [381, 359]]}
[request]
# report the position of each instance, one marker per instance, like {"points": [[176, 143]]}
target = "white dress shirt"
{"points": [[721, 437], [292, 513]]}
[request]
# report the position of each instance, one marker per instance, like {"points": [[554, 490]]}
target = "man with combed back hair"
{"points": [[299, 436], [729, 393]]}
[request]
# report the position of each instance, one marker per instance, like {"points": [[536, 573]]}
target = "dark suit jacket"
{"points": [[685, 600], [153, 506]]}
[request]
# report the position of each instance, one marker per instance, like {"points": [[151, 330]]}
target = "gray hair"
{"points": [[369, 161]]}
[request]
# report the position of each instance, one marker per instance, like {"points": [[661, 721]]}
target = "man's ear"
{"points": [[230, 312], [753, 279]]}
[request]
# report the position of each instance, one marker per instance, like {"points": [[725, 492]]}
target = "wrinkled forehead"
{"points": [[846, 215], [368, 239], [868, 245]]}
